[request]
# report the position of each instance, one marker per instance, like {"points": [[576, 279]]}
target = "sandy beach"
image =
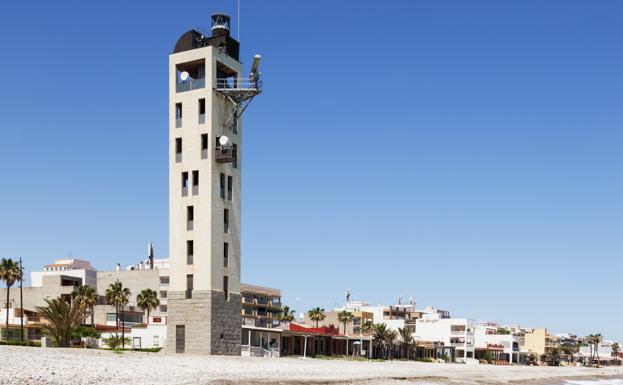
{"points": [[22, 365]]}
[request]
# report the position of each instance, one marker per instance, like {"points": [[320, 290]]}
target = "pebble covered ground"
{"points": [[26, 365]]}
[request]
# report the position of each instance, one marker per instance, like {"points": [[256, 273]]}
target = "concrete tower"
{"points": [[206, 98]]}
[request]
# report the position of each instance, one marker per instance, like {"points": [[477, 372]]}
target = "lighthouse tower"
{"points": [[207, 95]]}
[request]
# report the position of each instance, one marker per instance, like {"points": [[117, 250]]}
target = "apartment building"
{"points": [[499, 340], [458, 333]]}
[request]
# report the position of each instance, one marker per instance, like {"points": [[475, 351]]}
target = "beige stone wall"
{"points": [[212, 325]]}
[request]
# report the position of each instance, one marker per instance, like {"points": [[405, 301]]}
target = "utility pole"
{"points": [[21, 298]]}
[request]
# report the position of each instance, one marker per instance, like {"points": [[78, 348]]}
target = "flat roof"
{"points": [[246, 288]]}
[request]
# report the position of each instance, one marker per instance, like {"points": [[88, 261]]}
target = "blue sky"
{"points": [[466, 153]]}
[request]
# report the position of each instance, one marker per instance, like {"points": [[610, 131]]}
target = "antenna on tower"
{"points": [[238, 23]]}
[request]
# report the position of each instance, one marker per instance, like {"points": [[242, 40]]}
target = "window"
{"points": [[156, 320], [202, 111], [178, 150], [190, 251], [195, 182], [230, 187], [163, 294], [163, 308], [226, 254], [164, 280], [184, 183], [204, 146], [178, 115], [190, 217], [226, 287], [189, 286], [226, 221], [222, 185], [235, 155]]}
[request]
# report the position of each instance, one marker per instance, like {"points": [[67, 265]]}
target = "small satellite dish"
{"points": [[184, 76], [223, 140]]}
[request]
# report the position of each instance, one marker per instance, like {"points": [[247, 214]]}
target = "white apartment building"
{"points": [[486, 335], [456, 332], [69, 267]]}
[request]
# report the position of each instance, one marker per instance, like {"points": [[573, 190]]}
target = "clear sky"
{"points": [[468, 153]]}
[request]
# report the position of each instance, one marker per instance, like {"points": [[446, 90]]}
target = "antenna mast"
{"points": [[238, 26]]}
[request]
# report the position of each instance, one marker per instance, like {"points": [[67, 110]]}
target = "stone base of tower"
{"points": [[204, 324]]}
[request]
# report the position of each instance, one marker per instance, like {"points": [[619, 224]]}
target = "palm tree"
{"points": [[63, 318], [597, 338], [111, 295], [147, 300], [285, 314], [10, 273], [616, 348], [317, 314], [379, 337], [406, 339], [588, 340], [345, 317], [552, 357], [118, 296], [89, 296], [391, 337], [367, 327]]}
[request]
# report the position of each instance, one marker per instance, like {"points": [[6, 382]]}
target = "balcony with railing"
{"points": [[190, 84]]}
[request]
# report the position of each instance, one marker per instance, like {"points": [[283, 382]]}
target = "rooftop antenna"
{"points": [[238, 24]]}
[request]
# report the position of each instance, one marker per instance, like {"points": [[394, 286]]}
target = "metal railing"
{"points": [[190, 84], [237, 84]]}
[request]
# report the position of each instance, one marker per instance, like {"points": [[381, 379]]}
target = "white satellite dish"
{"points": [[223, 140], [184, 76]]}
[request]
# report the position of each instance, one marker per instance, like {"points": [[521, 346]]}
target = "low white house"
{"points": [[142, 337], [486, 335]]}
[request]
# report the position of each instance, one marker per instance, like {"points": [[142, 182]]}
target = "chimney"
{"points": [[220, 24]]}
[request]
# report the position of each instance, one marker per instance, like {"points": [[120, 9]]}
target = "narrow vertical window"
{"points": [[190, 252], [178, 115], [190, 217], [222, 185], [189, 285], [230, 188], [226, 287], [204, 146], [235, 155], [178, 150], [195, 182], [202, 111], [226, 221], [225, 254], [184, 183]]}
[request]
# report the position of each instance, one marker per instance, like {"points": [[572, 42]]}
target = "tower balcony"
{"points": [[226, 155], [239, 90]]}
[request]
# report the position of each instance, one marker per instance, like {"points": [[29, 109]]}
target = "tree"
{"points": [[10, 273], [406, 339], [367, 327], [147, 300], [89, 296], [317, 315], [379, 338], [345, 317], [552, 357], [616, 348], [63, 318], [487, 356], [597, 338], [285, 314], [391, 337], [118, 296]]}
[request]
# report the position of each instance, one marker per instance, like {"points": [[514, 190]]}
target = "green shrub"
{"points": [[21, 343], [115, 341], [149, 350], [425, 359]]}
